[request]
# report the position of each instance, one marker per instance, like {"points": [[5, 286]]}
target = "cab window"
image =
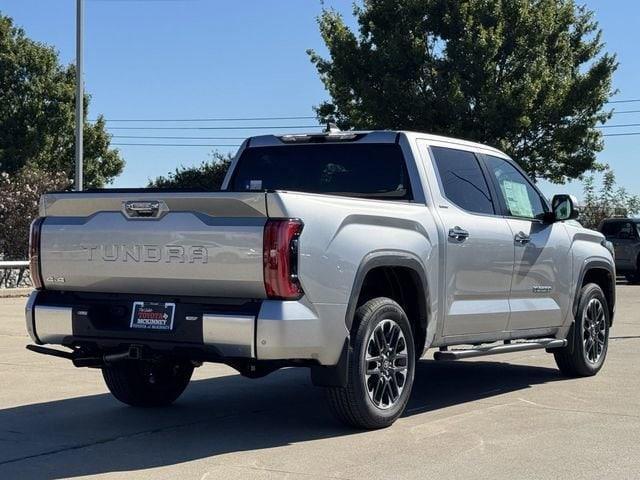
{"points": [[520, 198], [462, 180]]}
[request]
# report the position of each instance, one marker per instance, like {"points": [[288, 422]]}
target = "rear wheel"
{"points": [[381, 368], [590, 336], [634, 277], [147, 384]]}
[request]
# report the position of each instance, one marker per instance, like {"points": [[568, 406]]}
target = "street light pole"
{"points": [[79, 93]]}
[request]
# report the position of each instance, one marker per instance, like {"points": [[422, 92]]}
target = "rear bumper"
{"points": [[224, 330]]}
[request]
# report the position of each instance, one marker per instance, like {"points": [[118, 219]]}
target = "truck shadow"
{"points": [[97, 435]]}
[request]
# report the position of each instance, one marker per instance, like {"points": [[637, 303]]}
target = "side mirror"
{"points": [[564, 207]]}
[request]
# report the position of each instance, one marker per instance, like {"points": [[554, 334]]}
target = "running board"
{"points": [[546, 343]]}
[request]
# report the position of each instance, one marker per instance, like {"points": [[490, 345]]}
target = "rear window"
{"points": [[360, 170]]}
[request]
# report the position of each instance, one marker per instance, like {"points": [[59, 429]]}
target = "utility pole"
{"points": [[79, 93]]}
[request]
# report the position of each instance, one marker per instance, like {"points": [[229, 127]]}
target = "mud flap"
{"points": [[334, 375]]}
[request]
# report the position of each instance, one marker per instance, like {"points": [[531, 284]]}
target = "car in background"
{"points": [[624, 233]]}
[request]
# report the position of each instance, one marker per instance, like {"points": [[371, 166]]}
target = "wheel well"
{"points": [[605, 281], [405, 286]]}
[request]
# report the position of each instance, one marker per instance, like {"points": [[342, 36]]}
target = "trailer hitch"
{"points": [[134, 352]]}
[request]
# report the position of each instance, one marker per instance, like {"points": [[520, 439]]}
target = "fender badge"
{"points": [[53, 279], [542, 288]]}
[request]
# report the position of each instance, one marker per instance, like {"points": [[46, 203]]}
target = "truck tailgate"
{"points": [[166, 243]]}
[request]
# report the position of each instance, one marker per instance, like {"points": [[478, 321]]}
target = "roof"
{"points": [[381, 136], [621, 219], [452, 140]]}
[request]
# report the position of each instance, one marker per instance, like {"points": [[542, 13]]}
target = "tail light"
{"points": [[34, 253], [280, 254]]}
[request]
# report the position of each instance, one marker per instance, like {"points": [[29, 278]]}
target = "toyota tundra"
{"points": [[349, 253]]}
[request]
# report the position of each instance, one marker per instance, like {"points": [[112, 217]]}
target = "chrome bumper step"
{"points": [[461, 353]]}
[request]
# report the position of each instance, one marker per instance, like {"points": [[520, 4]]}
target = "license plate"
{"points": [[153, 315]]}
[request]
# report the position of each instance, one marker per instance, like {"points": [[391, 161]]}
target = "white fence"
{"points": [[14, 274]]}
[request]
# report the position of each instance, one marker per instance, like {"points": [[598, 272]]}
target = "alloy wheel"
{"points": [[594, 330], [387, 363]]}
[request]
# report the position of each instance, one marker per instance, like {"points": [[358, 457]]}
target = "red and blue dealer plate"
{"points": [[153, 315]]}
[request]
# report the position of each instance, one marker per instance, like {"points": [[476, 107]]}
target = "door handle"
{"points": [[522, 238], [459, 234], [142, 208]]}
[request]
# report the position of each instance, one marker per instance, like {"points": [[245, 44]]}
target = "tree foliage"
{"points": [[527, 76], [208, 176], [19, 197], [37, 113], [606, 202]]}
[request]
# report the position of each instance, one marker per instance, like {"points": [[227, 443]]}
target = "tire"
{"points": [[634, 278], [584, 357], [382, 344], [146, 384]]}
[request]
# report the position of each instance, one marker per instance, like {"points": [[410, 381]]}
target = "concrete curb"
{"points": [[15, 292]]}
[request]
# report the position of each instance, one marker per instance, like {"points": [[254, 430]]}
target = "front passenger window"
{"points": [[520, 198]]}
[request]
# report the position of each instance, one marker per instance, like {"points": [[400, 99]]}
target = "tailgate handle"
{"points": [[142, 208]]}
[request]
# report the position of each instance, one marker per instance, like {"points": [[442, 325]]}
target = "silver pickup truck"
{"points": [[350, 253]]}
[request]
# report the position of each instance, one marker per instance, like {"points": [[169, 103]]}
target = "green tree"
{"points": [[606, 202], [208, 176], [527, 76], [37, 102], [19, 197]]}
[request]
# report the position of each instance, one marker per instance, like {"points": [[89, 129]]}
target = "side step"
{"points": [[81, 359], [458, 354]]}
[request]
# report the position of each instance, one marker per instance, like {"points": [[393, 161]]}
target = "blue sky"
{"points": [[208, 58]]}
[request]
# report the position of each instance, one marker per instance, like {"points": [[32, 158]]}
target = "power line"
{"points": [[152, 137], [216, 119], [172, 145], [620, 134], [237, 145], [620, 125], [245, 127], [625, 101], [283, 117], [118, 144], [615, 112]]}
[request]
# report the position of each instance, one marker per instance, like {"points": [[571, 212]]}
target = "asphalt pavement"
{"points": [[502, 417]]}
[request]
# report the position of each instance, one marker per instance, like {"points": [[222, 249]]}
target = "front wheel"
{"points": [[146, 384], [589, 336], [381, 367]]}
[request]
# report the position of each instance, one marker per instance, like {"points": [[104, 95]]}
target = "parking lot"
{"points": [[509, 416]]}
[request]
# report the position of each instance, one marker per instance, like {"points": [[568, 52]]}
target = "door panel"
{"points": [[540, 290], [478, 273], [624, 236], [542, 274], [478, 247]]}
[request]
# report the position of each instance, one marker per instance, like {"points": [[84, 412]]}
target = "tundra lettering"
{"points": [[147, 253]]}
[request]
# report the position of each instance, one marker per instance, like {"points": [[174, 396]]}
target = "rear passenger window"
{"points": [[462, 180]]}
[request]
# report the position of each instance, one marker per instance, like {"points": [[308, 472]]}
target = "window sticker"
{"points": [[255, 185], [517, 198]]}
